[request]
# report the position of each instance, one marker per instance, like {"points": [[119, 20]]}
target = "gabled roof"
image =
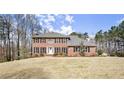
{"points": [[89, 43], [50, 35], [76, 41]]}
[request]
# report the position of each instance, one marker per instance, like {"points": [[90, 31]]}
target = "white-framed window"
{"points": [[37, 49], [76, 49], [87, 49], [42, 40], [42, 50]]}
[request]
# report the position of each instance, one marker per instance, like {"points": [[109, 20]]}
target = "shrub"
{"points": [[36, 55], [113, 53], [104, 55], [122, 54], [100, 52], [82, 53], [60, 54], [119, 54], [41, 55], [55, 54], [64, 54]]}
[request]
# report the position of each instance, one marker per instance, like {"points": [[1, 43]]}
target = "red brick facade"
{"points": [[92, 51], [50, 46]]}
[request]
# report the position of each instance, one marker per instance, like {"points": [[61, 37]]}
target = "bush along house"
{"points": [[52, 43]]}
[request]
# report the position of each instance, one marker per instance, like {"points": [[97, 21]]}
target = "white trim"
{"points": [[50, 50]]}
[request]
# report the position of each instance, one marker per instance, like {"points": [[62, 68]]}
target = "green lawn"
{"points": [[64, 67]]}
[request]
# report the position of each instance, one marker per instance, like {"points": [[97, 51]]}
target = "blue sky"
{"points": [[90, 23]]}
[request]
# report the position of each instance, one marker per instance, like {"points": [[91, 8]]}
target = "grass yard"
{"points": [[64, 68]]}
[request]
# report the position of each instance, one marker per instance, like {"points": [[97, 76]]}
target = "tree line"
{"points": [[111, 41], [83, 36], [16, 32]]}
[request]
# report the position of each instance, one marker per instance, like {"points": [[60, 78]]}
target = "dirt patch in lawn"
{"points": [[30, 73]]}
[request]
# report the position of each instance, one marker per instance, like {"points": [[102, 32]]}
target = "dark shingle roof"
{"points": [[50, 35], [89, 43], [76, 41]]}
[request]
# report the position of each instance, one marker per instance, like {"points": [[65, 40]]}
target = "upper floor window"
{"points": [[64, 40], [60, 40], [37, 40], [50, 41], [40, 40], [34, 40], [57, 40]]}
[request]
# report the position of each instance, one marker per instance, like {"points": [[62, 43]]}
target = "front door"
{"points": [[50, 50]]}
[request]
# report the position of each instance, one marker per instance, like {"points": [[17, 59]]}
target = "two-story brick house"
{"points": [[52, 42]]}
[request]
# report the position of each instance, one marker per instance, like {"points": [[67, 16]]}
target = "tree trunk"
{"points": [[31, 42], [13, 52], [9, 48], [18, 45]]}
